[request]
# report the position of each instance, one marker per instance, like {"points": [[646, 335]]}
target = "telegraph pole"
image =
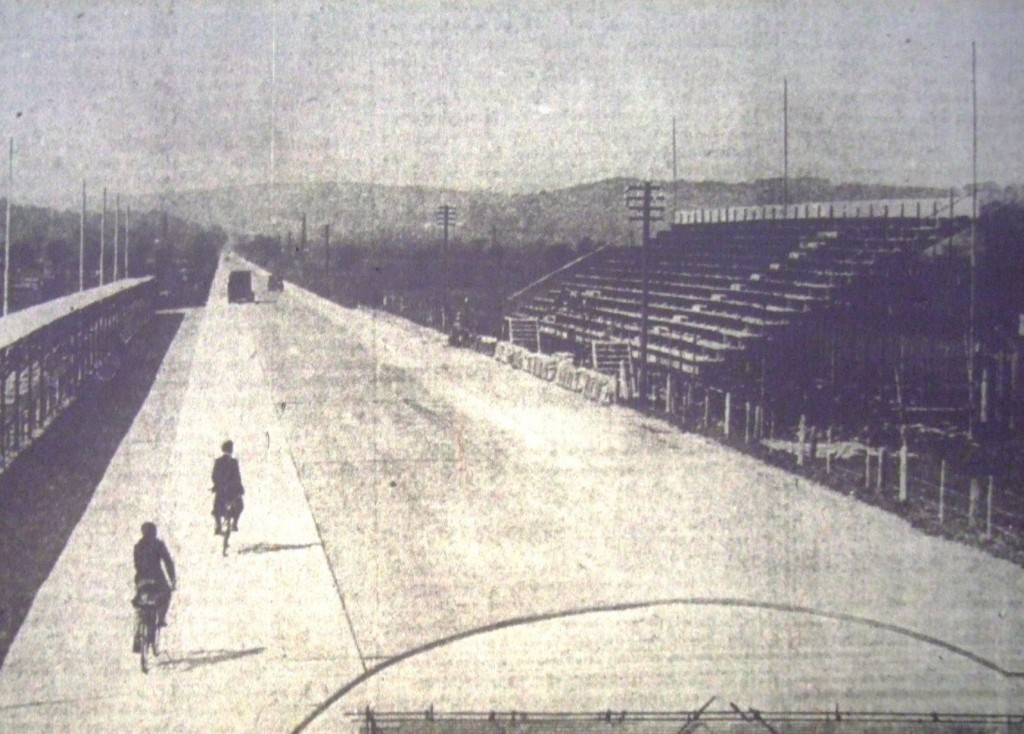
{"points": [[117, 232], [445, 218], [127, 217], [103, 230], [972, 316], [327, 257], [785, 148], [675, 175], [7, 229], [81, 243], [646, 202]]}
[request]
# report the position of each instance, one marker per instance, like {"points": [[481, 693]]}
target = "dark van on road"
{"points": [[240, 287]]}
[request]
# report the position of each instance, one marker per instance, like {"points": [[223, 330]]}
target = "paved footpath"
{"points": [[256, 638]]}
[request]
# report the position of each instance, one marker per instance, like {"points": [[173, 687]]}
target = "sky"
{"points": [[512, 96]]}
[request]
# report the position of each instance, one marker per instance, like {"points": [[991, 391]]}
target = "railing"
{"points": [[50, 352], [726, 719], [516, 298], [879, 208]]}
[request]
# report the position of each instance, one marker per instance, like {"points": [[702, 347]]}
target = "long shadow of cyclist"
{"points": [[198, 658]]}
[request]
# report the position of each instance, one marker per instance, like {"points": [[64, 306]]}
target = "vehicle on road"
{"points": [[240, 287]]}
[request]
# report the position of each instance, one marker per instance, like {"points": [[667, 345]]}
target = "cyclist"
{"points": [[227, 487], [151, 559]]}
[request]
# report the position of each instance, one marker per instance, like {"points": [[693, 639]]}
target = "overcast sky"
{"points": [[512, 95]]}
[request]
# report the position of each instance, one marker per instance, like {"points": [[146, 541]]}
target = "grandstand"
{"points": [[831, 311]]}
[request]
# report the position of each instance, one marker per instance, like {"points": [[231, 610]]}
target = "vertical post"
{"points": [[707, 408], [117, 233], [942, 492], [828, 451], [867, 467], [983, 397], [801, 437], [645, 294], [973, 495], [675, 176], [127, 229], [785, 144], [81, 243], [988, 507], [880, 476], [327, 253], [903, 472], [7, 229], [728, 411], [668, 392], [746, 422], [103, 232]]}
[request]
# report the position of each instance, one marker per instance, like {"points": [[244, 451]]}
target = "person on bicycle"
{"points": [[151, 559], [227, 488]]}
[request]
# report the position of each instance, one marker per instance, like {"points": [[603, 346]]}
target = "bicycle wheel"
{"points": [[154, 634], [227, 534], [142, 641]]}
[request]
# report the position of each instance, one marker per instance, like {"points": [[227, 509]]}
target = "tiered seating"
{"points": [[611, 358], [715, 291], [524, 333]]}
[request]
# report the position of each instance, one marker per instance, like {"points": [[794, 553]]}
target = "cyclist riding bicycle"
{"points": [[151, 559], [227, 489]]}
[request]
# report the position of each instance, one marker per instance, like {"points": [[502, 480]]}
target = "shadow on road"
{"points": [[47, 488], [275, 547], [198, 658]]}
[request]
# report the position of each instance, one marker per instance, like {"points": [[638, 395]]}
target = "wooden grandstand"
{"points": [[737, 305]]}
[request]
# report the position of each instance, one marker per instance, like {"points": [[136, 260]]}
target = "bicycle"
{"points": [[227, 519], [147, 629]]}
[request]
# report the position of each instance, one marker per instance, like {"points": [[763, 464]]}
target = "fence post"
{"points": [[942, 492], [867, 467], [903, 472], [707, 409], [668, 392], [988, 508], [728, 409], [801, 434], [828, 451], [881, 469], [972, 503]]}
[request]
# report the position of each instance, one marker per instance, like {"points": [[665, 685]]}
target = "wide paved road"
{"points": [[452, 494]]}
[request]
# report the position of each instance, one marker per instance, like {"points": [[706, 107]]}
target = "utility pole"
{"points": [[445, 218], [327, 256], [675, 175], [646, 202], [972, 316], [127, 218], [785, 148], [7, 230], [117, 232], [103, 231], [81, 243]]}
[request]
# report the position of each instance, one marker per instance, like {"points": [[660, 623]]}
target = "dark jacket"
{"points": [[151, 557], [227, 479]]}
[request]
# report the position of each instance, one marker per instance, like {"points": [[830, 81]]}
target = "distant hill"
{"points": [[370, 213]]}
